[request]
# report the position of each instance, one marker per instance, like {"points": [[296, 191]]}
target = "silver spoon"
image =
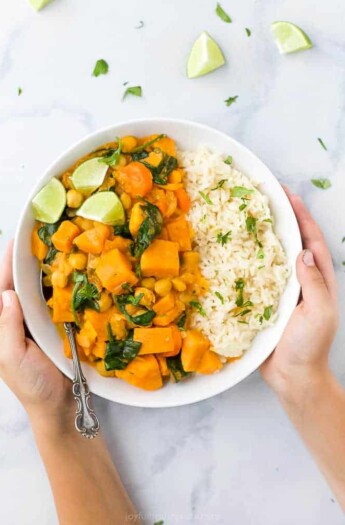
{"points": [[86, 421]]}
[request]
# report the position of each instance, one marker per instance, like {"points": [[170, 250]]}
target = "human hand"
{"points": [[301, 356], [42, 389]]}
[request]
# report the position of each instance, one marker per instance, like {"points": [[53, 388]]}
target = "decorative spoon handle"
{"points": [[86, 421]]}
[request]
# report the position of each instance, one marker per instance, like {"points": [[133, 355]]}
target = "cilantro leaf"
{"points": [[220, 184], [141, 24], [248, 31], [223, 238], [260, 254], [112, 156], [228, 160], [101, 68], [240, 192], [268, 312], [20, 91], [220, 297], [231, 100], [222, 14], [324, 184], [133, 90], [205, 197], [197, 306]]}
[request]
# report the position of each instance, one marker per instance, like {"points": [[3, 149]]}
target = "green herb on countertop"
{"points": [[321, 142], [101, 68], [248, 31], [324, 184], [231, 100], [222, 14], [136, 91], [141, 24], [20, 91]]}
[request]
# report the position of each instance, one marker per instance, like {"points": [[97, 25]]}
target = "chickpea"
{"points": [[59, 279], [118, 326], [126, 201], [148, 298], [148, 282], [163, 287], [105, 302], [78, 261], [128, 143], [47, 281], [179, 285], [122, 161], [74, 199]]}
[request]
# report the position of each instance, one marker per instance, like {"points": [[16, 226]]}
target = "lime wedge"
{"points": [[89, 176], [38, 4], [289, 37], [50, 202], [104, 206], [205, 56]]}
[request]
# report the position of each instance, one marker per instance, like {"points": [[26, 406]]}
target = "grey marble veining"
{"points": [[233, 459]]}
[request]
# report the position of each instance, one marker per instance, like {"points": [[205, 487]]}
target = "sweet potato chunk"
{"points": [[114, 269], [91, 241], [164, 304], [38, 248], [160, 260], [178, 231], [210, 363], [154, 340], [194, 346], [64, 236], [61, 302], [143, 372], [137, 218]]}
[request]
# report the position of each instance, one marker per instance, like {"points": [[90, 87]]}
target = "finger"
{"points": [[6, 276], [314, 240], [314, 290], [12, 336]]}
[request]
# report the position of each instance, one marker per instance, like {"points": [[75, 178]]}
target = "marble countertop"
{"points": [[234, 459]]}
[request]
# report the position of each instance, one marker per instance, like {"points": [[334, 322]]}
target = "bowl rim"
{"points": [[203, 394]]}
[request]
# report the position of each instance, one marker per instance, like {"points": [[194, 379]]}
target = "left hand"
{"points": [[42, 389]]}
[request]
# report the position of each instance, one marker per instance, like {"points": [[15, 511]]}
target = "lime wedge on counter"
{"points": [[104, 206], [50, 202], [39, 4], [89, 176], [289, 37], [205, 56]]}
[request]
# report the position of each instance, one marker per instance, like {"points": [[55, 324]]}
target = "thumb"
{"points": [[11, 322], [314, 289]]}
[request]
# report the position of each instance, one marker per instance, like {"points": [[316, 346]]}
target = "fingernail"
{"points": [[308, 258], [6, 299]]}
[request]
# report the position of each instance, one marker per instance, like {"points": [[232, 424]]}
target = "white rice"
{"points": [[264, 279]]}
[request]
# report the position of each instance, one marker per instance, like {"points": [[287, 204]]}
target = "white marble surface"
{"points": [[234, 459]]}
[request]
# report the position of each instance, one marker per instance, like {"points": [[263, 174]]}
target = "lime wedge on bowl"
{"points": [[50, 202], [290, 38], [205, 56], [105, 207], [89, 176], [39, 4]]}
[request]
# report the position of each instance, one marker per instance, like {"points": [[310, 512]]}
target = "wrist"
{"points": [[52, 424]]}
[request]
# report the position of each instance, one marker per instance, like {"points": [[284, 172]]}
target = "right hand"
{"points": [[44, 391], [301, 357]]}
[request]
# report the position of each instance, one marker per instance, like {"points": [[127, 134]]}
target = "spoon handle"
{"points": [[86, 421]]}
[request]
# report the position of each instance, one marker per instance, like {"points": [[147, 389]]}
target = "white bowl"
{"points": [[188, 135]]}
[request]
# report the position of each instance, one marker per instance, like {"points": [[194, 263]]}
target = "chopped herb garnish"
{"points": [[223, 238], [220, 297], [343, 239], [20, 91], [248, 31], [136, 91], [176, 369], [243, 313], [119, 353], [149, 229], [222, 14], [243, 206], [112, 155], [203, 218], [141, 24], [260, 254], [197, 306], [268, 312], [148, 143], [101, 68], [240, 192], [268, 220], [84, 295], [251, 224], [159, 523], [239, 285], [321, 142], [220, 184], [205, 197], [231, 100], [260, 267], [324, 184], [242, 322], [228, 160]]}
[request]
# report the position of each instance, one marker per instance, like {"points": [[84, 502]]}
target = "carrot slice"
{"points": [[135, 179]]}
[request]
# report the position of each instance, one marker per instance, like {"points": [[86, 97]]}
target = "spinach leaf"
{"points": [[119, 353], [161, 172], [149, 229], [139, 156], [45, 233], [112, 155], [123, 231], [175, 366], [143, 319], [84, 295], [181, 322]]}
